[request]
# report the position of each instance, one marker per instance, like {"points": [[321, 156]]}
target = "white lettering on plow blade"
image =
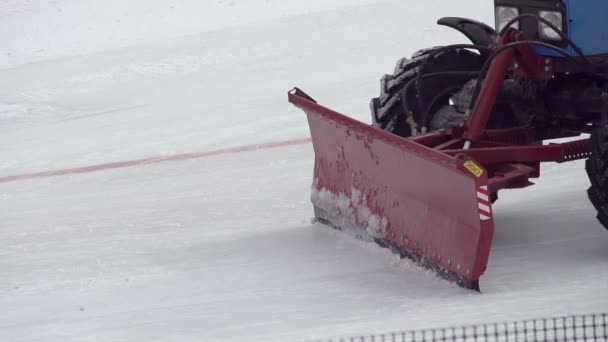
{"points": [[483, 203]]}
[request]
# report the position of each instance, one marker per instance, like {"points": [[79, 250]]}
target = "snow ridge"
{"points": [[351, 213]]}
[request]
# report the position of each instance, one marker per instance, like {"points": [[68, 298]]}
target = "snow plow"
{"points": [[454, 125]]}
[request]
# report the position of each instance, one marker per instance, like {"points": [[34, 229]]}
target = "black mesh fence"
{"points": [[583, 328]]}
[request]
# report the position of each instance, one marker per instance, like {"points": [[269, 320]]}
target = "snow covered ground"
{"points": [[221, 248]]}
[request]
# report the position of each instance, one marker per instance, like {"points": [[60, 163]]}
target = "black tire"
{"points": [[445, 98], [389, 109], [597, 170]]}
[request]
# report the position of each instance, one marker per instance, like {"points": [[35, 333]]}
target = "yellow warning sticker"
{"points": [[474, 168]]}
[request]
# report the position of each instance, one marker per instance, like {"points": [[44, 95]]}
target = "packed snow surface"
{"points": [[221, 248]]}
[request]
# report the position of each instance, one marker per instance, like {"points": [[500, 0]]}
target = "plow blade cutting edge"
{"points": [[422, 204]]}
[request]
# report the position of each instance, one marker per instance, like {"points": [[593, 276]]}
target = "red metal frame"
{"points": [[515, 150], [527, 63], [490, 90]]}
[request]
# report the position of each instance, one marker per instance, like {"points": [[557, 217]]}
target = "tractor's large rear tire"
{"points": [[597, 170]]}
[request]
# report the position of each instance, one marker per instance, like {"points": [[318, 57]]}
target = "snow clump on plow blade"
{"points": [[348, 213], [418, 202]]}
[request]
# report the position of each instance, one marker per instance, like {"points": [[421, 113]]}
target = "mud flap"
{"points": [[423, 204]]}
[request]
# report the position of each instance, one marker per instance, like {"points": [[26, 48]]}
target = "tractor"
{"points": [[453, 125]]}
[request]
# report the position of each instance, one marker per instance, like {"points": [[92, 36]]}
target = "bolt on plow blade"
{"points": [[418, 202]]}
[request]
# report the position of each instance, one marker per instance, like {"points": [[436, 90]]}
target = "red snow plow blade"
{"points": [[421, 203], [426, 197]]}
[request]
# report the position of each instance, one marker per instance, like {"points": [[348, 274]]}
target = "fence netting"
{"points": [[583, 328]]}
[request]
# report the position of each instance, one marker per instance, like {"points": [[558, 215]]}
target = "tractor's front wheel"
{"points": [[597, 170], [398, 107], [414, 101]]}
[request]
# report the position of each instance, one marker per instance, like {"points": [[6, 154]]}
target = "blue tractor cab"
{"points": [[583, 22]]}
